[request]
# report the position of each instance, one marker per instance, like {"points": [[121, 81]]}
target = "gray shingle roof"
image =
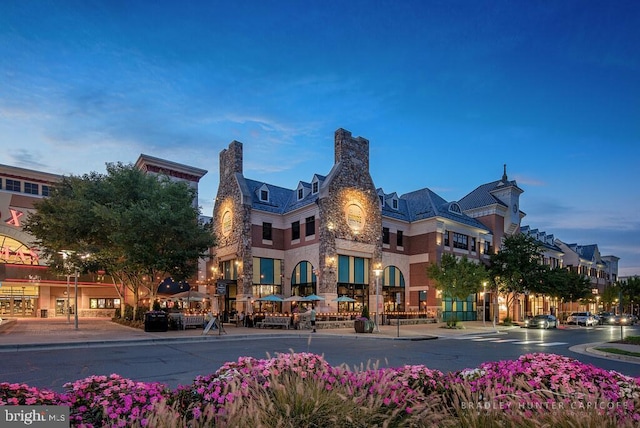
{"points": [[413, 206], [545, 240], [281, 200], [424, 203], [482, 197]]}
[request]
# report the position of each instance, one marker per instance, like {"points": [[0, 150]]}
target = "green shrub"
{"points": [[365, 312]]}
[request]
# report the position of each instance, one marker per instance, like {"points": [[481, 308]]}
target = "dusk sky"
{"points": [[445, 91]]}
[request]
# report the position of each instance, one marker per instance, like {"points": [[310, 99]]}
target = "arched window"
{"points": [[303, 279], [392, 284]]}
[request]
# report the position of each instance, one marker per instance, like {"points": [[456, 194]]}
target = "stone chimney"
{"points": [[231, 161], [349, 150]]}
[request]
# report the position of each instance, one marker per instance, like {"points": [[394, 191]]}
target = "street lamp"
{"points": [[484, 303], [65, 254], [75, 300], [377, 272]]}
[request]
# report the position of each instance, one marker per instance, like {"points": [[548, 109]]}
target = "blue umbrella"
{"points": [[344, 299], [270, 298], [313, 298]]}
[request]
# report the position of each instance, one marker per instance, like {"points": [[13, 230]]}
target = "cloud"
{"points": [[527, 181], [25, 159]]}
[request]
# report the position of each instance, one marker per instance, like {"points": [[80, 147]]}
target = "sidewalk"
{"points": [[53, 333], [31, 333]]}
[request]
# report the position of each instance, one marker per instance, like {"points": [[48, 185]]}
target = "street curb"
{"points": [[589, 349], [174, 340]]}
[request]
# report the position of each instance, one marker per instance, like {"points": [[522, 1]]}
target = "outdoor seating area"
{"points": [[183, 321]]}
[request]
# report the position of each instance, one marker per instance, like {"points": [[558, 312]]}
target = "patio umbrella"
{"points": [[190, 295], [344, 299], [270, 298], [295, 299], [313, 298]]}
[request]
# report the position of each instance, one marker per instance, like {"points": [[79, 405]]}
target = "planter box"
{"points": [[363, 326]]}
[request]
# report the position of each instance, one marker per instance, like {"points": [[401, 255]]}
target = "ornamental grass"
{"points": [[303, 390]]}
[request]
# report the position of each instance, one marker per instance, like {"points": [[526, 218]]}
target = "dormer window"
{"points": [[300, 193], [381, 199], [394, 203], [264, 193], [455, 208], [315, 187]]}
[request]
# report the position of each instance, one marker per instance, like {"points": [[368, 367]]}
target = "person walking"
{"points": [[313, 319]]}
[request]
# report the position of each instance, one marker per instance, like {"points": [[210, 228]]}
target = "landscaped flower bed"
{"points": [[293, 390]]}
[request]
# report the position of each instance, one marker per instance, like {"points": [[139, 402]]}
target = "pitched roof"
{"points": [[546, 240], [281, 200], [424, 203]]}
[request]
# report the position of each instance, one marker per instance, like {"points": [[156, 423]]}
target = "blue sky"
{"points": [[445, 91]]}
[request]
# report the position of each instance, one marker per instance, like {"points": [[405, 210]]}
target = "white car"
{"points": [[582, 318]]}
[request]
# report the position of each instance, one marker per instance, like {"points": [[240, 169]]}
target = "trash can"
{"points": [[43, 313], [156, 321]]}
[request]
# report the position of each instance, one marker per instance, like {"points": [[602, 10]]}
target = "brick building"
{"points": [[338, 235]]}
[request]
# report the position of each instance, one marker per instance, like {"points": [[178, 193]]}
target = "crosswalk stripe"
{"points": [[509, 341]]}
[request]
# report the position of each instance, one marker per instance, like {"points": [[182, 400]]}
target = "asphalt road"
{"points": [[179, 363]]}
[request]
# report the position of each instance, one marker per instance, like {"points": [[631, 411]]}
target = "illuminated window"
{"points": [[104, 303]]}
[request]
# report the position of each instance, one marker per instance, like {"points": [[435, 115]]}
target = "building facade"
{"points": [[27, 287], [337, 235]]}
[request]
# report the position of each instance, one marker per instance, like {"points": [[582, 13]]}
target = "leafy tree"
{"points": [[566, 285], [457, 278], [516, 268], [609, 296], [136, 226], [630, 289]]}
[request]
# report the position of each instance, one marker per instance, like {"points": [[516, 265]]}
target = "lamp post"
{"points": [[484, 304], [68, 308], [65, 254], [75, 301], [377, 272]]}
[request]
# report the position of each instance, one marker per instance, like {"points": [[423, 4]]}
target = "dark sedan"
{"points": [[541, 321]]}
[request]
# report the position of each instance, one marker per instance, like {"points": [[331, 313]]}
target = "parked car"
{"points": [[606, 318], [582, 318], [541, 321]]}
